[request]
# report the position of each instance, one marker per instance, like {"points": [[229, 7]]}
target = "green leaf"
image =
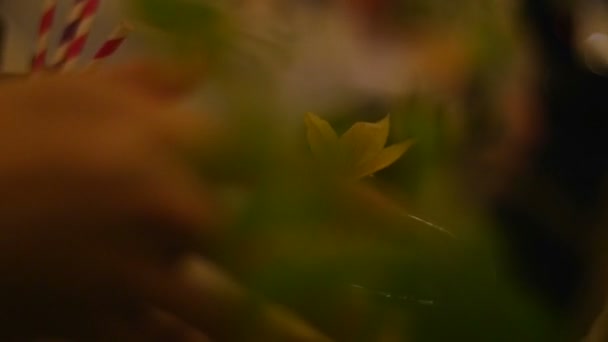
{"points": [[178, 15], [321, 136], [383, 160], [364, 141], [186, 21]]}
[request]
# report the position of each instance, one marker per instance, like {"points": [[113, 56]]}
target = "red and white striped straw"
{"points": [[69, 32], [82, 34], [44, 30], [113, 43]]}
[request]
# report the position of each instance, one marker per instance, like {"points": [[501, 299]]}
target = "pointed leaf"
{"points": [[364, 141], [321, 136], [383, 160]]}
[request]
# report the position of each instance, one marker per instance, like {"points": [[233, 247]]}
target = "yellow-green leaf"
{"points": [[364, 141], [383, 160], [322, 138]]}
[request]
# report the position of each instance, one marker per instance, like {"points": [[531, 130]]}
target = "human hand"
{"points": [[98, 213]]}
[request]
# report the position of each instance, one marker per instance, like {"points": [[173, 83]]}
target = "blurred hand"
{"points": [[98, 213]]}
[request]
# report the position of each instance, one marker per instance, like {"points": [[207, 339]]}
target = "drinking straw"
{"points": [[82, 34], [44, 30], [112, 43], [73, 20]]}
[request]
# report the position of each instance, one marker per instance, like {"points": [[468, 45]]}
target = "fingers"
{"points": [[149, 325], [117, 102], [198, 293], [124, 121], [162, 326], [174, 208], [144, 325], [162, 81], [182, 128]]}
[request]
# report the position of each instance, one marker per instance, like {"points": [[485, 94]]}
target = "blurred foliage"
{"points": [[355, 258], [192, 25]]}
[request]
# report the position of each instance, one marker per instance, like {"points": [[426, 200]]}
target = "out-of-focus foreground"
{"points": [[404, 170]]}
